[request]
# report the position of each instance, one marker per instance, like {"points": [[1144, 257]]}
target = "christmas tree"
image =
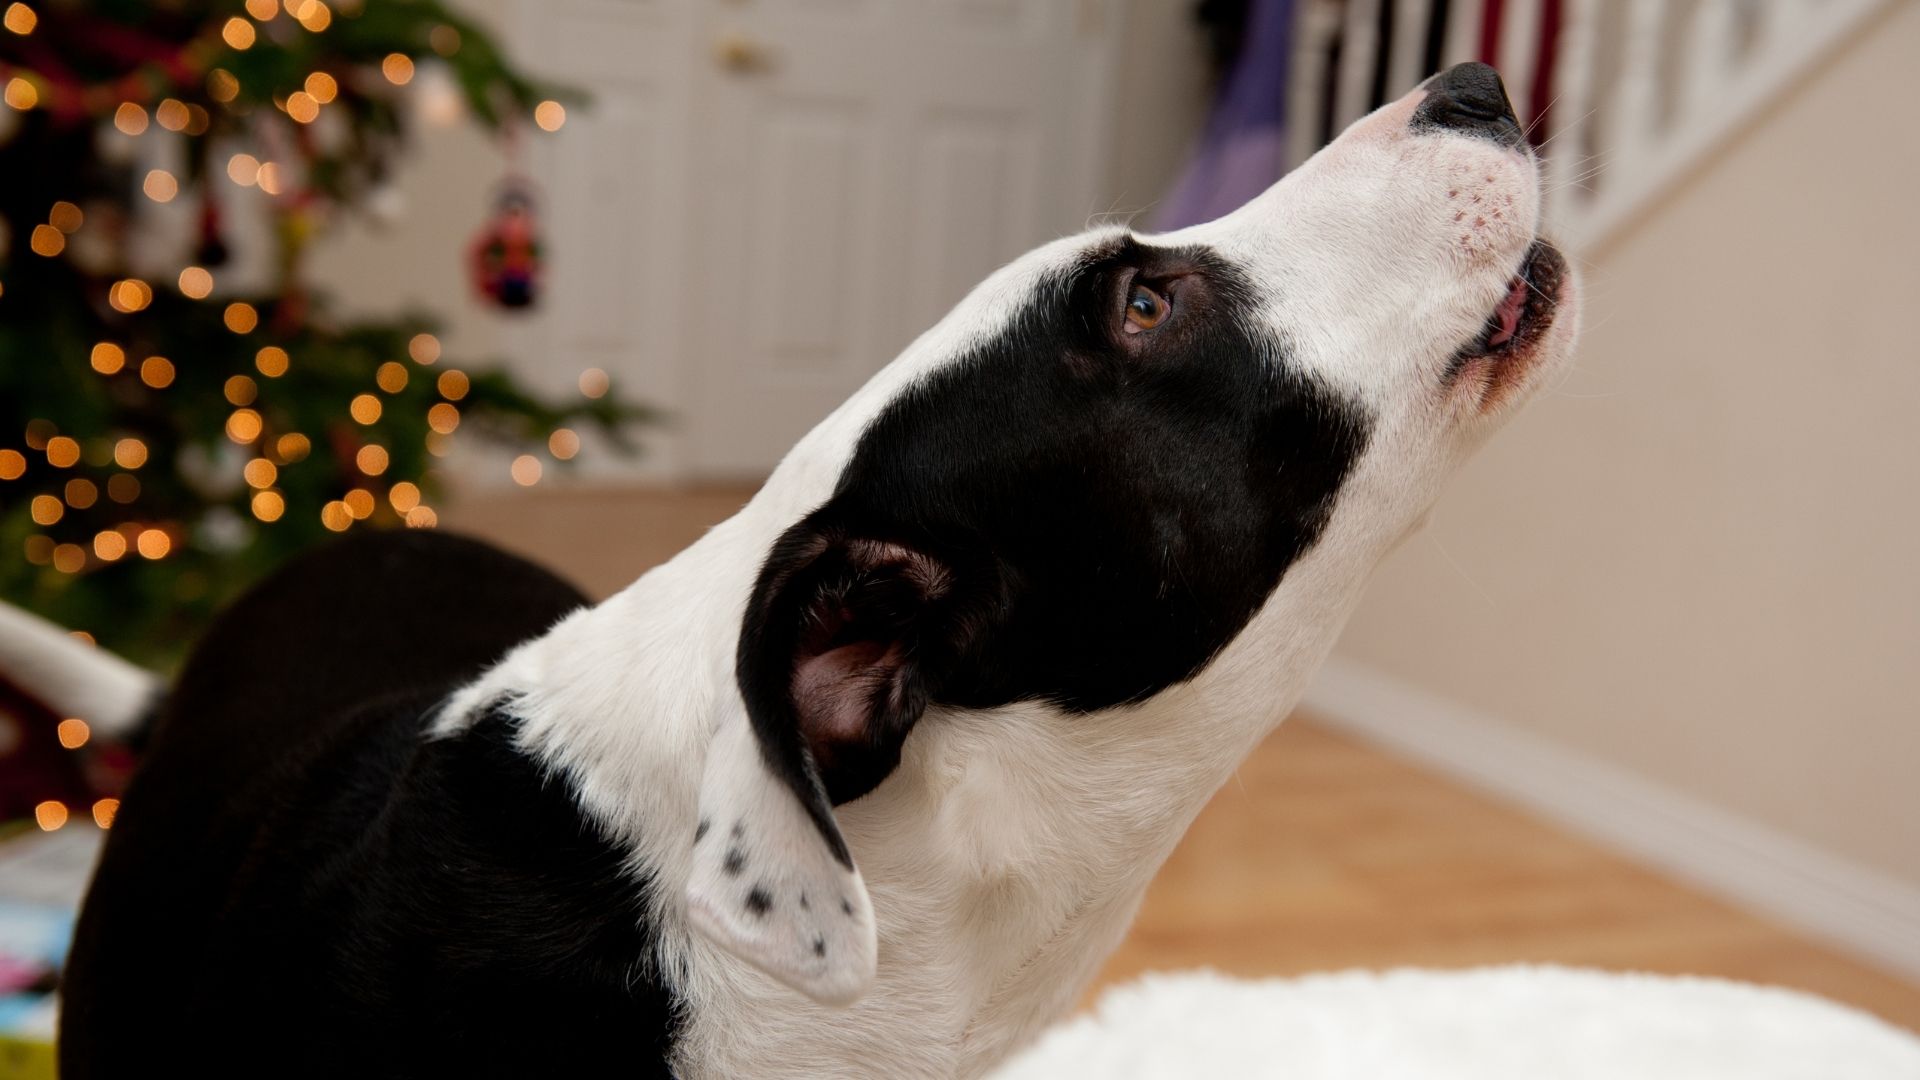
{"points": [[167, 436]]}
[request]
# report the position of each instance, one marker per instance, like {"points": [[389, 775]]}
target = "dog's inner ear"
{"points": [[841, 643], [870, 618]]}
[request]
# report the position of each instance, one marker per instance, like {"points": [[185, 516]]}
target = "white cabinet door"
{"points": [[840, 172]]}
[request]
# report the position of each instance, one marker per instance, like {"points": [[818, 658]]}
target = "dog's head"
{"points": [[1085, 482]]}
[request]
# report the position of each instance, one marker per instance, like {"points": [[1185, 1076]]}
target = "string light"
{"points": [[129, 295], [443, 418], [130, 118], [444, 39], [359, 503], [439, 443], [104, 811], [371, 459], [391, 377], [244, 426], [20, 19], [46, 509], [335, 516], [453, 384], [292, 447], [172, 114], [160, 186], [260, 473], [50, 815], [398, 68], [69, 558], [321, 87], [81, 493], [272, 361], [21, 94], [72, 732], [123, 488], [157, 372], [129, 453], [109, 545], [153, 544], [525, 470], [268, 505], [422, 517], [81, 635], [364, 408], [550, 115], [594, 382], [196, 283], [312, 14], [13, 464], [38, 432], [39, 550], [263, 10], [238, 33], [240, 317], [303, 107], [222, 86], [197, 120], [62, 452], [66, 217], [404, 496], [47, 240], [563, 444], [424, 348], [241, 390], [269, 178]]}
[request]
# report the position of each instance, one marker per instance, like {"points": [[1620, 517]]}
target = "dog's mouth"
{"points": [[1523, 314]]}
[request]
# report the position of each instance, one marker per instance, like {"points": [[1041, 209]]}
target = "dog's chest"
{"points": [[999, 888]]}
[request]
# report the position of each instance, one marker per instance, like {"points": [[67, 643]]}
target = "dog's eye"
{"points": [[1146, 309]]}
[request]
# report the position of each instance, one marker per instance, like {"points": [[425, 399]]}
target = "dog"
{"points": [[869, 780]]}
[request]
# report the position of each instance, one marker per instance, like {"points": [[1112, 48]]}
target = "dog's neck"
{"points": [[1005, 855]]}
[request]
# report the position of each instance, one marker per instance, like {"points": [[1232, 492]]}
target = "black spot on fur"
{"points": [[700, 831], [739, 831], [819, 945], [803, 902], [846, 905], [734, 863], [759, 900]]}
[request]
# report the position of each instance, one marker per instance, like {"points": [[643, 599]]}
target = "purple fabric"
{"points": [[1244, 148]]}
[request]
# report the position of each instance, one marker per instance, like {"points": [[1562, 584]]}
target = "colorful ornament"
{"points": [[505, 257]]}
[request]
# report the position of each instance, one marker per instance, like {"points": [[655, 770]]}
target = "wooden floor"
{"points": [[1324, 853]]}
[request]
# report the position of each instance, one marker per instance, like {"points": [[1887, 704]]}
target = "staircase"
{"points": [[1642, 90]]}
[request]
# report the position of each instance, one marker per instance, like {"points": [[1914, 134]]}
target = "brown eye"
{"points": [[1146, 309]]}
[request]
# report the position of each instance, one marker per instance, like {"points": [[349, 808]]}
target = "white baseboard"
{"points": [[1755, 866]]}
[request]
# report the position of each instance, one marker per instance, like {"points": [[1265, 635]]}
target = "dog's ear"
{"points": [[844, 641]]}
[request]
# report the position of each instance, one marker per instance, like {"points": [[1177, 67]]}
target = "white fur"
{"points": [[826, 948], [1006, 854], [1503, 1023]]}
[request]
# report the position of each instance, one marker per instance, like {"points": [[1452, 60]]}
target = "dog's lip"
{"points": [[1524, 312]]}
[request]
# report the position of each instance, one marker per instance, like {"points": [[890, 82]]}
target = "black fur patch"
{"points": [[1110, 509], [299, 884]]}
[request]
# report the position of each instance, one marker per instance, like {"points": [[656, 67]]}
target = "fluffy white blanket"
{"points": [[1502, 1023]]}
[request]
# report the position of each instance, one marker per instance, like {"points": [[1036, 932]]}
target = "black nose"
{"points": [[1470, 99]]}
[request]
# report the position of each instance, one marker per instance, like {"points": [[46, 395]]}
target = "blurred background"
{"points": [[573, 274]]}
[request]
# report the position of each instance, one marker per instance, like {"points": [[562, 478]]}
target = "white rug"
{"points": [[1506, 1023]]}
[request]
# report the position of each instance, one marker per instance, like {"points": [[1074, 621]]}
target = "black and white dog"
{"points": [[870, 780]]}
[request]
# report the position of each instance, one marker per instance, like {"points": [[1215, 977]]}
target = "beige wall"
{"points": [[1700, 557]]}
